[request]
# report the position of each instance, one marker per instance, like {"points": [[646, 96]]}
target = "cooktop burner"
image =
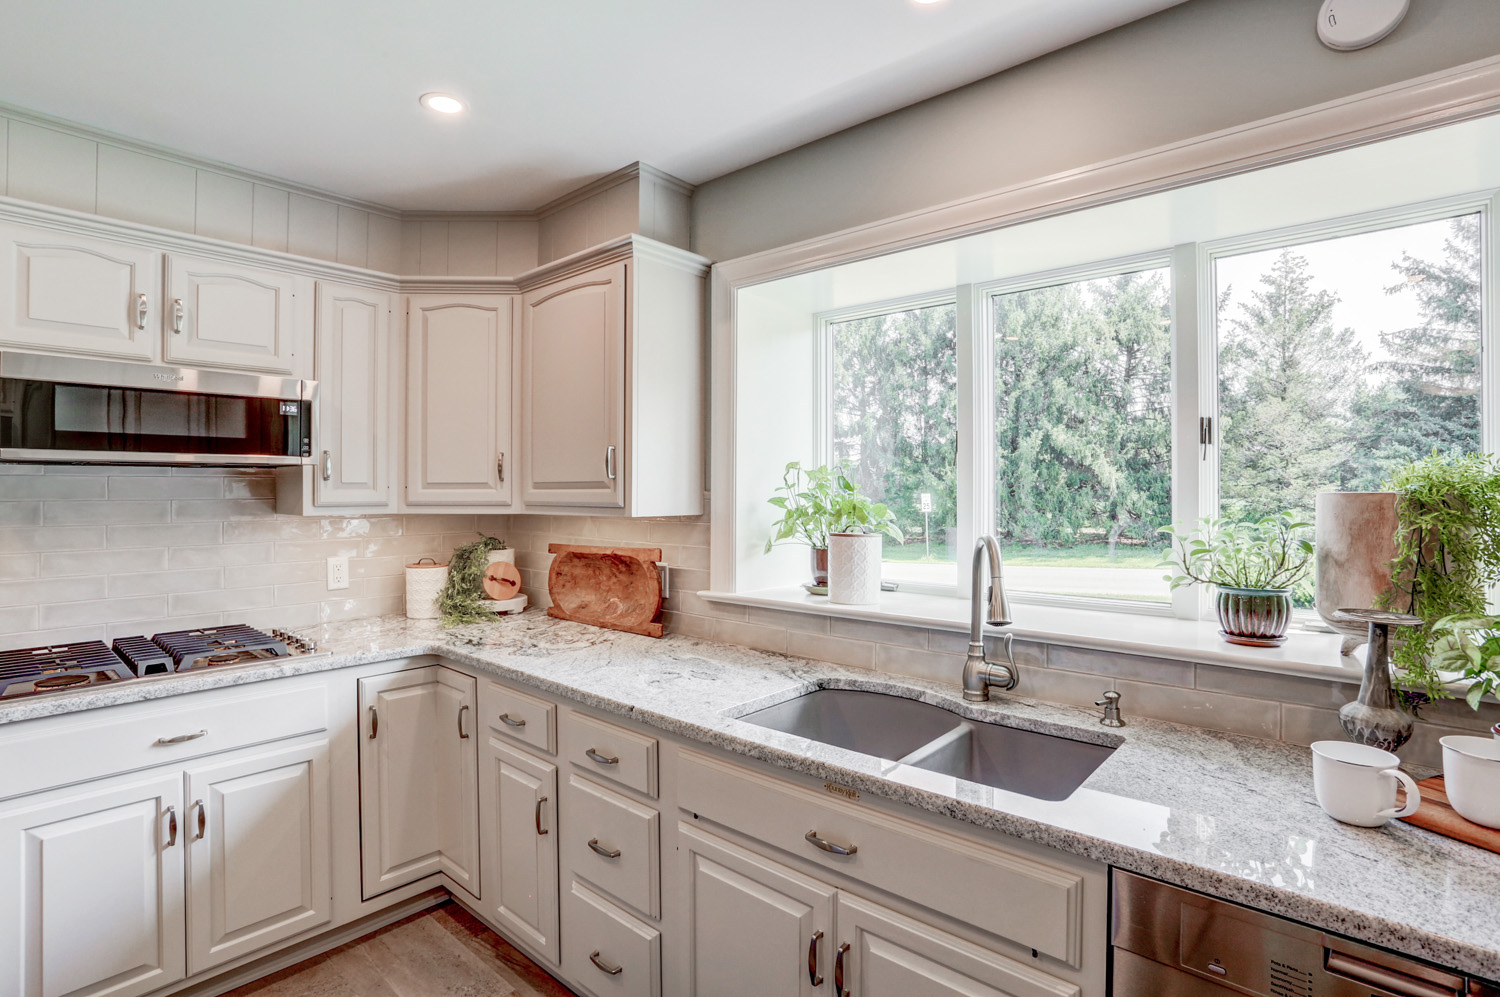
{"points": [[38, 670]]}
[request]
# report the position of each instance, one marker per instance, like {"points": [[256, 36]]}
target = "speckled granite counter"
{"points": [[1228, 815]]}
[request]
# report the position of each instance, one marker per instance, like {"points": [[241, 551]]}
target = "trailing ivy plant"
{"points": [[1447, 553], [459, 601], [817, 501], [1274, 553]]}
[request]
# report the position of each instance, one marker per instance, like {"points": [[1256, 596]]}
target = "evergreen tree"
{"points": [[1287, 381]]}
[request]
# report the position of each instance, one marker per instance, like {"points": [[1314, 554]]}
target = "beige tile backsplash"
{"points": [[99, 552]]}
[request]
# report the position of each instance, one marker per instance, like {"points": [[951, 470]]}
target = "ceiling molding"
{"points": [[609, 181]]}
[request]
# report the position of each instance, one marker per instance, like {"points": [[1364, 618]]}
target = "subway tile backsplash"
{"points": [[99, 552], [93, 553]]}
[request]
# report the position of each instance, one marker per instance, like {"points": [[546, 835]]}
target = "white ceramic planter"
{"points": [[854, 568], [424, 584], [508, 555]]}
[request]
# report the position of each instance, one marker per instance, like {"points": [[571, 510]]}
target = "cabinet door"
{"points": [[518, 817], [92, 883], [755, 926], [258, 852], [573, 390], [71, 294], [355, 433], [418, 762], [459, 374], [230, 315], [891, 955]]}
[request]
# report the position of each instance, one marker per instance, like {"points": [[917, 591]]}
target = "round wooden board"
{"points": [[502, 580]]}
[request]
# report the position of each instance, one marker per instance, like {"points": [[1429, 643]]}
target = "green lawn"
{"points": [[1081, 556]]}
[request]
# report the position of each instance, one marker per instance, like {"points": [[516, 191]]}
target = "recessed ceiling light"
{"points": [[442, 103], [924, 3]]}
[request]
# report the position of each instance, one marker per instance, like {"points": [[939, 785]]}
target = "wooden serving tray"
{"points": [[1437, 815], [618, 588]]}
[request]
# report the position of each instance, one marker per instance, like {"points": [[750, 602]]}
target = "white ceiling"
{"points": [[324, 92]]}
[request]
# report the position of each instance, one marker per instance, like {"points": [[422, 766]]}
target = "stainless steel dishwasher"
{"points": [[1171, 942]]}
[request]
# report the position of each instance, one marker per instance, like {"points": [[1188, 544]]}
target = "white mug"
{"points": [[1471, 777], [1356, 783]]}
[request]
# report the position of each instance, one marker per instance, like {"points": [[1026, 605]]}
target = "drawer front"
{"points": [[608, 950], [596, 824], [520, 717], [1036, 905], [613, 752], [98, 743]]}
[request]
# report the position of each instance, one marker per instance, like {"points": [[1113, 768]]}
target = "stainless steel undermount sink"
{"points": [[906, 732]]}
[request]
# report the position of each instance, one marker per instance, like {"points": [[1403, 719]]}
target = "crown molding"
{"points": [[625, 174]]}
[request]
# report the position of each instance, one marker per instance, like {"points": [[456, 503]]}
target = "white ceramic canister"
{"points": [[1471, 777], [424, 584], [508, 555], [854, 568]]}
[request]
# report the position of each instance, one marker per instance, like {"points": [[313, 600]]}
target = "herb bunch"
{"points": [[461, 595]]}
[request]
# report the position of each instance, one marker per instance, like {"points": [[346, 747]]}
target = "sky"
{"points": [[1357, 269]]}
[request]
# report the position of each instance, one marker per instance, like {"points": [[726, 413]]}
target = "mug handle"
{"points": [[1413, 795]]}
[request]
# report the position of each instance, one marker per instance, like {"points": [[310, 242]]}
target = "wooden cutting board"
{"points": [[502, 581], [1437, 815], [618, 588]]}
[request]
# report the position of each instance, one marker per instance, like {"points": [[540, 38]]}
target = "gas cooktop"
{"points": [[38, 670]]}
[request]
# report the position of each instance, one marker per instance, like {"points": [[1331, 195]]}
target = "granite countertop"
{"points": [[1228, 815]]}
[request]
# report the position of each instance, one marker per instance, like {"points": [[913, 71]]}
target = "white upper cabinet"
{"points": [[459, 363], [72, 294], [231, 315], [612, 385], [573, 372], [355, 432]]}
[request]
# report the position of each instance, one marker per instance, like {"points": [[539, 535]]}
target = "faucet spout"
{"points": [[979, 672]]}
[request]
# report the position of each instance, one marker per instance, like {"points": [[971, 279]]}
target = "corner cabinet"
{"points": [[611, 382], [459, 368]]}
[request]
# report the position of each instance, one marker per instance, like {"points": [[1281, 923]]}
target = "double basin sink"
{"points": [[908, 732]]}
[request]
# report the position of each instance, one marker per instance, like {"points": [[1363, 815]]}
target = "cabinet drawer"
{"points": [[1037, 905], [613, 752], [606, 949], [597, 823], [524, 718], [97, 743]]}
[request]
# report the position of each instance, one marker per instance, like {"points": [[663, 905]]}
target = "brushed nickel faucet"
{"points": [[979, 672]]}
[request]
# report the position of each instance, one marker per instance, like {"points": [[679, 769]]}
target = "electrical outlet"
{"points": [[338, 572]]}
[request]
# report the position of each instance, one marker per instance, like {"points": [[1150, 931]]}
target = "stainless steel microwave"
{"points": [[76, 410]]}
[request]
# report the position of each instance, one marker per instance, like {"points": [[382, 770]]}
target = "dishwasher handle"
{"points": [[1370, 974]]}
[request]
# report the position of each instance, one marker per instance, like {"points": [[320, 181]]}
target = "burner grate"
{"points": [[144, 656], [218, 645], [60, 665]]}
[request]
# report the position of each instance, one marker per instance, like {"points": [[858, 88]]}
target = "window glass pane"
{"points": [[895, 421], [1342, 359], [1083, 435]]}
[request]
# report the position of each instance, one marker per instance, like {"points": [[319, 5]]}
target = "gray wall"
{"points": [[1193, 69]]}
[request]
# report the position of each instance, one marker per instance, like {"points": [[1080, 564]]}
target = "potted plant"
{"points": [[820, 502], [854, 546], [1254, 566], [463, 591], [1469, 648], [1447, 556]]}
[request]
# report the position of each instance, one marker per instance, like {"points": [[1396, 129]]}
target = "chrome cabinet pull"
{"points": [[202, 819], [182, 738], [171, 826], [829, 846], [179, 312], [539, 803], [812, 959], [506, 719], [141, 308], [327, 465], [500, 466], [374, 722], [609, 462], [461, 733], [609, 853], [604, 966], [602, 759], [838, 971]]}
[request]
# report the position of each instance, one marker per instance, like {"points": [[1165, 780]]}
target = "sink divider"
{"points": [[937, 744]]}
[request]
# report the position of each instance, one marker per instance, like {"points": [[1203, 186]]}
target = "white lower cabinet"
{"points": [[755, 926], [92, 890], [518, 817], [259, 840], [608, 950], [418, 778]]}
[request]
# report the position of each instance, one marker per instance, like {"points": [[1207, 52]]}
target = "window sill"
{"points": [[1314, 655]]}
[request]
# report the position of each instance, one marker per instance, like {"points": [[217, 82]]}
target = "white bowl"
{"points": [[1471, 775]]}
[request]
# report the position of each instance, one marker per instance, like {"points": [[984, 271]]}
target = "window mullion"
{"points": [[1194, 465], [975, 428]]}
